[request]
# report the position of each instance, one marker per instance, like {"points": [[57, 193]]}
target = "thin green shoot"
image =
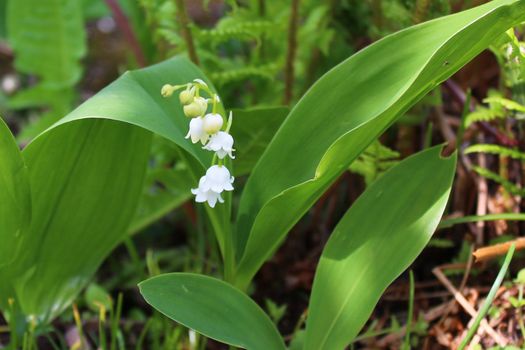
{"points": [[475, 218], [490, 298], [406, 342]]}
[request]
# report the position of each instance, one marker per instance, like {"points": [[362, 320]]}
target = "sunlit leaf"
{"points": [[345, 111], [365, 254]]}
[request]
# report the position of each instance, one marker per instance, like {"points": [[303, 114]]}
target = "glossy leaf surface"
{"points": [[345, 111], [86, 176], [376, 240], [15, 208], [213, 308]]}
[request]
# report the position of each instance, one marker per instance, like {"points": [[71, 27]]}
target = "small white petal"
{"points": [[221, 153], [221, 143], [212, 201], [212, 123], [206, 195], [200, 81], [196, 132]]}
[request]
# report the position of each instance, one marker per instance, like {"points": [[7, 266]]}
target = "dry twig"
{"points": [[467, 307], [487, 253]]}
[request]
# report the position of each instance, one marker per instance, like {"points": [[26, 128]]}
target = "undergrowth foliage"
{"points": [[508, 113]]}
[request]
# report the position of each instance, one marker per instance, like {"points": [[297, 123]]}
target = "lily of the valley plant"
{"points": [[48, 252]]}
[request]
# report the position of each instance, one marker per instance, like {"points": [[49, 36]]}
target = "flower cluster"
{"points": [[210, 130]]}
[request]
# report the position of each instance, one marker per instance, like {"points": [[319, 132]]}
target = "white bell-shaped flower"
{"points": [[196, 132], [222, 144], [212, 123], [217, 179], [202, 195]]}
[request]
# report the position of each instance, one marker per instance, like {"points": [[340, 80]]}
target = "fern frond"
{"points": [[506, 184], [48, 38], [483, 114], [495, 149], [266, 72], [374, 161], [229, 29], [506, 103]]}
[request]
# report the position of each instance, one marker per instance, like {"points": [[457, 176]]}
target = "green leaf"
{"points": [[97, 297], [364, 254], [83, 199], [213, 308], [135, 99], [345, 111], [253, 130], [15, 211], [86, 174]]}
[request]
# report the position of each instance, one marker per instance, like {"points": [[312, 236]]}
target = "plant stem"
{"points": [[406, 342], [289, 73], [421, 11], [123, 23], [262, 14], [226, 246], [377, 14], [184, 21]]}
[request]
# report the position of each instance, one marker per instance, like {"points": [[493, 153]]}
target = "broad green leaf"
{"points": [[86, 179], [253, 130], [345, 111], [213, 308], [135, 99], [15, 210], [376, 240], [86, 174]]}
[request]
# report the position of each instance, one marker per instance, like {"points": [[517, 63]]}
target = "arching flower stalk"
{"points": [[210, 130]]}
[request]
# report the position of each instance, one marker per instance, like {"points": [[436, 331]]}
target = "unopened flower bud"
{"points": [[186, 97], [197, 108], [167, 90], [212, 123]]}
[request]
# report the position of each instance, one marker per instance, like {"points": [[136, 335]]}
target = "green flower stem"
{"points": [[222, 229]]}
